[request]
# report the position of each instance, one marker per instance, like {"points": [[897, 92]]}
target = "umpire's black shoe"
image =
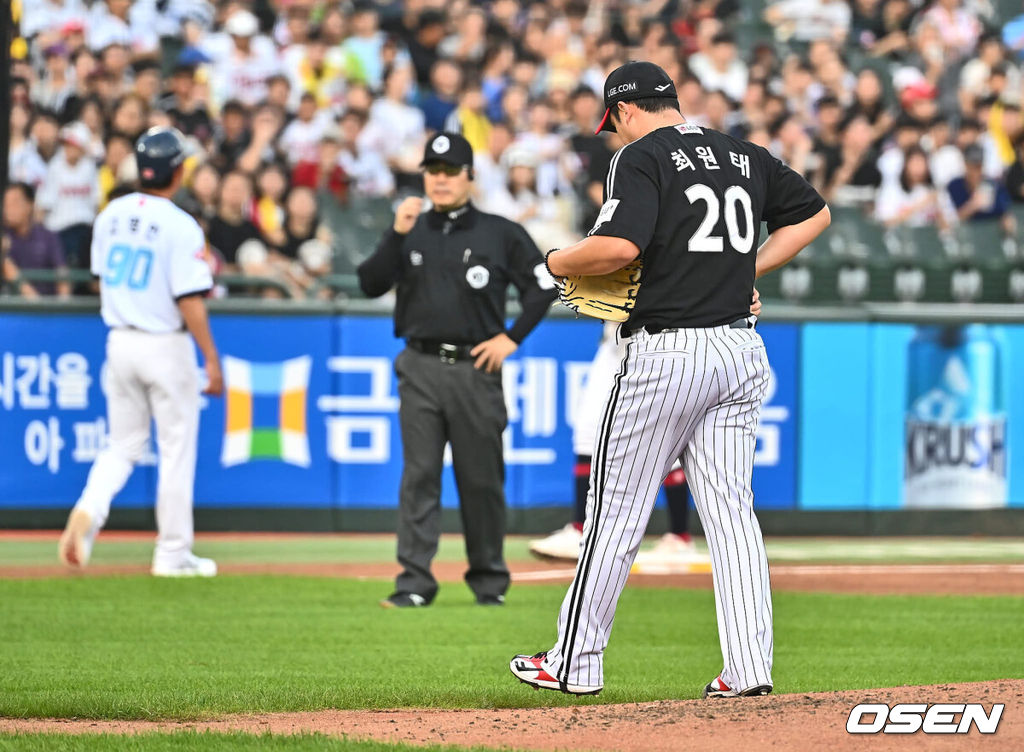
{"points": [[718, 688], [490, 600], [404, 600]]}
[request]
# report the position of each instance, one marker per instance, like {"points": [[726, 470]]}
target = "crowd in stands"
{"points": [[908, 111]]}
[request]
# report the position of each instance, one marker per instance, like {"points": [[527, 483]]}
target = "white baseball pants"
{"points": [[150, 377], [692, 394]]}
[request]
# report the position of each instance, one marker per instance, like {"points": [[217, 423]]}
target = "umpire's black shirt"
{"points": [[452, 272], [692, 200]]}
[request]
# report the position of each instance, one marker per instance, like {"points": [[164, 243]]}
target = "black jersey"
{"points": [[692, 200]]}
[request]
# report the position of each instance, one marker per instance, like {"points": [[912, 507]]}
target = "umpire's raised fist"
{"points": [[406, 214]]}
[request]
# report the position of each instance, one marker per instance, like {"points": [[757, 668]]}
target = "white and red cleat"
{"points": [[529, 669]]}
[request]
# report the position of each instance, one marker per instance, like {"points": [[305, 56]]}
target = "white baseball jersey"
{"points": [[148, 253]]}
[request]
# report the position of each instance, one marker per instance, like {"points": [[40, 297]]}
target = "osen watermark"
{"points": [[909, 718]]}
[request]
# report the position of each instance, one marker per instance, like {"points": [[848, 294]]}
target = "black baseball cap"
{"points": [[450, 148], [634, 80]]}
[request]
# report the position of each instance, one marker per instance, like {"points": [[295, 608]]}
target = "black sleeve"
{"points": [[790, 199], [381, 271], [530, 277], [631, 198]]}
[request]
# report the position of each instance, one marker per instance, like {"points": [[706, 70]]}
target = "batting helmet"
{"points": [[158, 153]]}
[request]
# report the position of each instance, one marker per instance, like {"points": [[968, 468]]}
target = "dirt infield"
{"points": [[798, 721], [881, 579]]}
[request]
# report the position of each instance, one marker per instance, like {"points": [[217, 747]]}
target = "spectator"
{"points": [[906, 135], [869, 101], [29, 244], [56, 87], [1015, 175], [470, 117], [825, 148], [442, 97], [396, 129], [69, 195], [314, 71], [23, 161], [945, 160], [131, 115], [808, 20], [853, 178], [957, 27], [488, 169], [790, 143], [975, 75], [118, 22], [117, 148], [720, 69], [593, 157], [497, 65], [91, 113], [977, 198], [147, 82], [546, 145], [231, 226], [422, 45], [468, 44], [366, 168], [233, 137], [910, 201], [199, 197], [302, 223], [242, 65], [519, 201], [45, 134], [268, 210], [300, 140], [188, 114], [365, 45]]}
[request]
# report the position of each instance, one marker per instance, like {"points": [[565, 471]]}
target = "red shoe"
{"points": [[529, 670], [718, 688]]}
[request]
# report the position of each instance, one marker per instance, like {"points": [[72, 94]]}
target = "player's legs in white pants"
{"points": [[667, 385], [128, 420], [174, 398], [150, 376], [719, 461]]}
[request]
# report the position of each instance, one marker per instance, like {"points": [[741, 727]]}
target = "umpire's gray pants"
{"points": [[450, 403]]}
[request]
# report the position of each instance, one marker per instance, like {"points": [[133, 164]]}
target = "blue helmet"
{"points": [[158, 153]]}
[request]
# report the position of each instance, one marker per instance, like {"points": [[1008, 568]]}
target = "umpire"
{"points": [[452, 267]]}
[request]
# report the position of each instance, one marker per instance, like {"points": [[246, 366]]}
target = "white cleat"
{"points": [[561, 544], [671, 555], [189, 566], [76, 541]]}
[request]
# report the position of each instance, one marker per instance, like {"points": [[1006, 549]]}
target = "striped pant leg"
{"points": [[719, 461], [641, 435]]}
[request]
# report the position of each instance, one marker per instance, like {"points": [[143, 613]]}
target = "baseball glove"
{"points": [[607, 296]]}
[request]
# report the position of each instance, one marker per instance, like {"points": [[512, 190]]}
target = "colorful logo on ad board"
{"points": [[266, 411]]}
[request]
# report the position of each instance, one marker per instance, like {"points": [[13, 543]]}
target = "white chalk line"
{"points": [[854, 569]]}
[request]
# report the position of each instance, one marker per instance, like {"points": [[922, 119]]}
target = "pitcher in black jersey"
{"points": [[689, 202]]}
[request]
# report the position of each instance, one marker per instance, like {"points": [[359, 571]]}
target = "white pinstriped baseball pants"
{"points": [[693, 394]]}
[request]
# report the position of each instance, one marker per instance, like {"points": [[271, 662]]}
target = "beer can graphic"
{"points": [[956, 420]]}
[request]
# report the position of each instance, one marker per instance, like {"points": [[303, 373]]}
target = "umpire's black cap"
{"points": [[450, 148], [158, 153], [634, 80]]}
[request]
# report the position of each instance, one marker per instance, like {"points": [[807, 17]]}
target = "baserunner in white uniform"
{"points": [[688, 202], [149, 257]]}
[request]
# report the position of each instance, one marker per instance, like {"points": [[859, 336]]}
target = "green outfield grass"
{"points": [[186, 741], [352, 549], [137, 647]]}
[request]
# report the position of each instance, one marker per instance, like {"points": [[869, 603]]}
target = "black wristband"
{"points": [[547, 265]]}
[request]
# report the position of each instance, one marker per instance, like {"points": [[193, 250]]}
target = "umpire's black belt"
{"points": [[747, 322], [447, 352]]}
